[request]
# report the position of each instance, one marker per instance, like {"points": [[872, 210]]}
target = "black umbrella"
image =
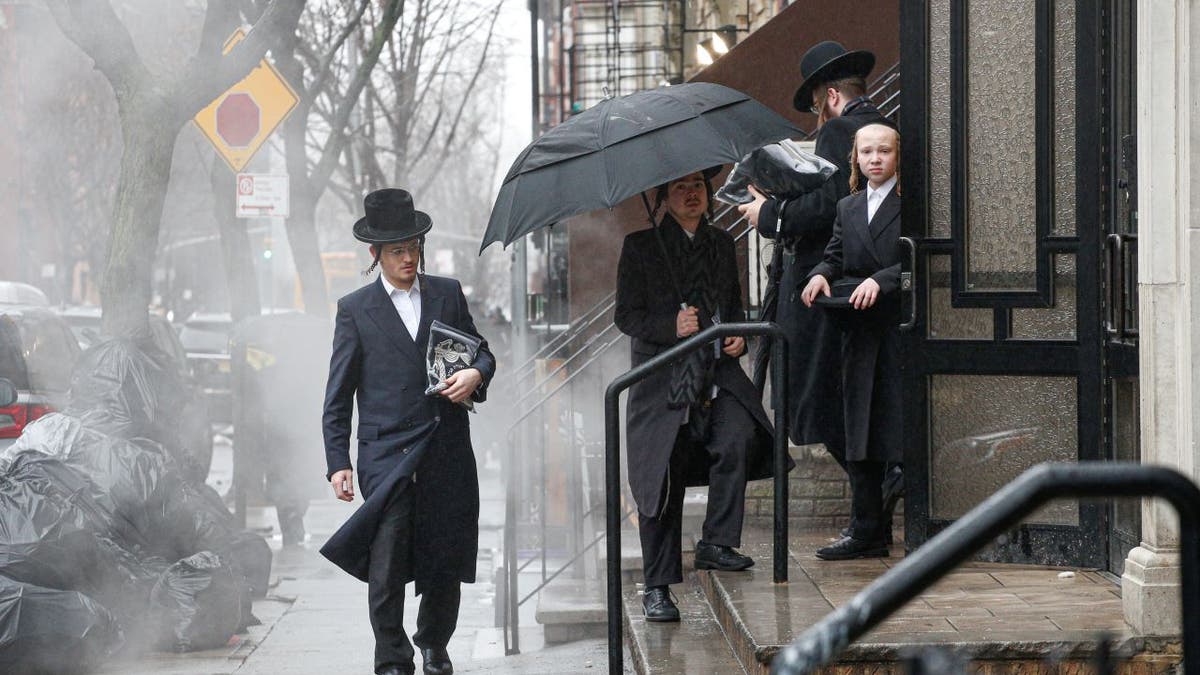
{"points": [[623, 146]]}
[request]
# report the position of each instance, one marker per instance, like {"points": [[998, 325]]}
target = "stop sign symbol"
{"points": [[238, 120]]}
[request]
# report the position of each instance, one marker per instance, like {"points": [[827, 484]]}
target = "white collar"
{"points": [[883, 189], [390, 289]]}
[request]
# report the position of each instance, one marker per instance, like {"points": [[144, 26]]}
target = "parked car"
{"points": [[17, 293], [37, 353], [205, 339]]}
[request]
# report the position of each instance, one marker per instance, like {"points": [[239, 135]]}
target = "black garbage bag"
{"points": [[783, 170], [129, 479], [139, 497], [132, 389], [202, 602], [54, 534], [44, 630], [195, 519]]}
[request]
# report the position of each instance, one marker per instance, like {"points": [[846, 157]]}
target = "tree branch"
{"points": [[207, 76], [337, 139], [95, 28]]}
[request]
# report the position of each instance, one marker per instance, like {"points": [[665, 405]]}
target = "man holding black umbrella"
{"points": [[702, 422], [834, 89]]}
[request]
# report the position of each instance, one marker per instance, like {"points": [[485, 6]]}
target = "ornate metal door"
{"points": [[1002, 158]]}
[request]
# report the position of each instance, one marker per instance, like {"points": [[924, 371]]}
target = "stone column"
{"points": [[1168, 269]]}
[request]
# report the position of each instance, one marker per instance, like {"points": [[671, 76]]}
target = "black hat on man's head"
{"points": [[828, 61], [390, 217]]}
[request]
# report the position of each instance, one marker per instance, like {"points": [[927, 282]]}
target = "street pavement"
{"points": [[314, 618]]}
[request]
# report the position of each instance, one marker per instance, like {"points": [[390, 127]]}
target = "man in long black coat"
{"points": [[834, 88], [686, 261], [416, 467]]}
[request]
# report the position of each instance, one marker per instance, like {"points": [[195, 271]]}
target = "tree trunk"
{"points": [[148, 132], [235, 245], [306, 251], [302, 225]]}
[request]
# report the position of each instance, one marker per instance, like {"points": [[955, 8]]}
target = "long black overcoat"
{"points": [[871, 359], [406, 440], [647, 304], [804, 225]]}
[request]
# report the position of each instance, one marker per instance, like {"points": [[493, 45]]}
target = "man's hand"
{"points": [[734, 346], [343, 484], [462, 384], [865, 294], [751, 209], [816, 285], [687, 322]]}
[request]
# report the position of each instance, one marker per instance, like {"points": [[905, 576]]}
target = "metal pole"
{"points": [[780, 396]]}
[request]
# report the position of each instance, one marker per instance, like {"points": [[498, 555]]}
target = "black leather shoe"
{"points": [[395, 670], [849, 548], [887, 534], [658, 606], [724, 558], [437, 661]]}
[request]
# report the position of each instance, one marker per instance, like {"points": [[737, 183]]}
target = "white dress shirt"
{"points": [[876, 197], [407, 303]]}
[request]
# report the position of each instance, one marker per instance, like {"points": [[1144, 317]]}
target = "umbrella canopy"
{"points": [[623, 146]]}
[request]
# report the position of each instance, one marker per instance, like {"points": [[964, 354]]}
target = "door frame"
{"points": [[1083, 544]]}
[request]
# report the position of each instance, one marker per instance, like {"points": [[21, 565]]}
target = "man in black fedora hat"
{"points": [[834, 88], [415, 463]]}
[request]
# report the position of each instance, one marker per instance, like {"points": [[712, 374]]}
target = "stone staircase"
{"points": [[1006, 618]]}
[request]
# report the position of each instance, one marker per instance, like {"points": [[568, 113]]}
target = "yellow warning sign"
{"points": [[240, 120]]}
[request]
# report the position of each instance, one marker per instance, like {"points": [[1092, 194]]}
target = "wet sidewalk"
{"points": [[314, 618]]}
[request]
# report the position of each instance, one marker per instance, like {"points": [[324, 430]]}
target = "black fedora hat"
{"points": [[828, 61], [390, 217]]}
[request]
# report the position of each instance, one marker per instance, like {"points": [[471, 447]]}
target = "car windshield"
{"points": [[44, 350], [212, 338]]}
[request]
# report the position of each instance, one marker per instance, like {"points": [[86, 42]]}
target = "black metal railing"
{"points": [[612, 458], [823, 642]]}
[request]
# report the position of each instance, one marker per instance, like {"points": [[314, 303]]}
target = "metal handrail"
{"points": [[612, 458], [821, 644]]}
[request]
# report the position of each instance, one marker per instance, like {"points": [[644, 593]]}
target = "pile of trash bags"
{"points": [[106, 542]]}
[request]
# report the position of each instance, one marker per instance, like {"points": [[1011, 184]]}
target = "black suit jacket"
{"points": [[805, 224], [871, 360], [401, 431]]}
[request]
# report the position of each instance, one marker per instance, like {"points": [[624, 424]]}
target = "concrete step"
{"points": [[694, 646], [572, 609], [1006, 618]]}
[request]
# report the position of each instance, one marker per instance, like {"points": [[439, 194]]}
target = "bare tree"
{"points": [[318, 61], [153, 106], [428, 121]]}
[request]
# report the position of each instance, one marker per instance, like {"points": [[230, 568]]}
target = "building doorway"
{"points": [[1020, 349]]}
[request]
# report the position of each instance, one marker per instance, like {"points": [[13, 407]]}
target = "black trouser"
{"points": [[390, 565], [727, 447], [866, 504]]}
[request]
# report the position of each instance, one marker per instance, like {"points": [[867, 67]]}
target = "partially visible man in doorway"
{"points": [[416, 468], [834, 88], [702, 422]]}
